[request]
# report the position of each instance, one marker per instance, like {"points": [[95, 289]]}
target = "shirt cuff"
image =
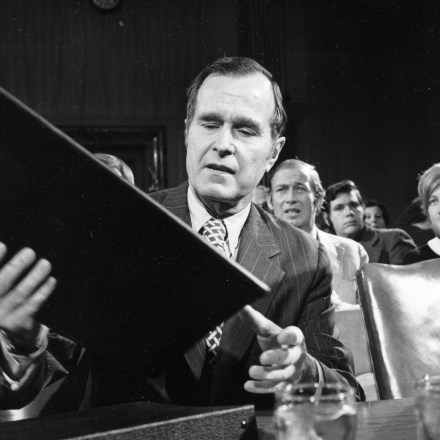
{"points": [[19, 367]]}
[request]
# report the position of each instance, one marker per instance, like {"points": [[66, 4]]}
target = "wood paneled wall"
{"points": [[77, 65]]}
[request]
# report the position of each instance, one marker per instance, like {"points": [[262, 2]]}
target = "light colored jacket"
{"points": [[346, 257]]}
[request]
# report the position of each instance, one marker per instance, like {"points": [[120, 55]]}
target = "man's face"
{"points": [[434, 211], [346, 214], [292, 198], [229, 142]]}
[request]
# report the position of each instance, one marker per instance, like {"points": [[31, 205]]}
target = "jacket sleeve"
{"points": [[23, 378]]}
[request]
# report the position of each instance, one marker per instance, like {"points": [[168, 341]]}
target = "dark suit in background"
{"points": [[387, 246]]}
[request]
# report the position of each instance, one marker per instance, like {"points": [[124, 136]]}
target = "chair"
{"points": [[351, 328], [401, 306]]}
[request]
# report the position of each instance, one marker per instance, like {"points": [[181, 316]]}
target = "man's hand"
{"points": [[283, 353], [25, 285]]}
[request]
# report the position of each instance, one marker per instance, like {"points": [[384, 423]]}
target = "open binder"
{"points": [[135, 283]]}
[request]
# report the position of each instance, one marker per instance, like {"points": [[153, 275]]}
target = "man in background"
{"points": [[296, 196], [346, 216]]}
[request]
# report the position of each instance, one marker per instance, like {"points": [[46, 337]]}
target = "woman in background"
{"points": [[429, 193]]}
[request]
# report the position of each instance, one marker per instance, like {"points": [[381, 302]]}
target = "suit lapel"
{"points": [[176, 202], [256, 253], [340, 251], [335, 253]]}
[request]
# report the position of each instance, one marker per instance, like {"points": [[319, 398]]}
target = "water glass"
{"points": [[313, 412], [428, 408]]}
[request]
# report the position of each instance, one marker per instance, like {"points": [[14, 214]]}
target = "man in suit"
{"points": [[234, 125], [346, 215], [296, 196]]}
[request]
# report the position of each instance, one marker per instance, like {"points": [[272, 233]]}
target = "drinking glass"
{"points": [[312, 412], [428, 408]]}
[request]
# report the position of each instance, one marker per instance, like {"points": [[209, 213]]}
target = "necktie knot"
{"points": [[214, 230]]}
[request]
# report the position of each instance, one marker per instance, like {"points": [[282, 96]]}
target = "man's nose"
{"points": [[290, 195], [225, 143], [348, 211]]}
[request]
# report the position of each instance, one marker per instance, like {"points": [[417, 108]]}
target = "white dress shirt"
{"points": [[434, 244]]}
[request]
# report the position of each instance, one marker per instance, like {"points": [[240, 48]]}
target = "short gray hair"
{"points": [[238, 67]]}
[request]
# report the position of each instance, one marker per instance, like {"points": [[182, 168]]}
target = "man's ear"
{"points": [[326, 216], [269, 199], [318, 203], [275, 152], [186, 132]]}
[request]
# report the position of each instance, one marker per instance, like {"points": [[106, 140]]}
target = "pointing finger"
{"points": [[257, 322]]}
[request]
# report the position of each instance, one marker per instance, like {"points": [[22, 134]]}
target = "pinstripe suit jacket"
{"points": [[296, 268]]}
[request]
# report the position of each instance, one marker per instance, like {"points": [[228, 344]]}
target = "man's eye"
{"points": [[210, 125], [245, 132], [300, 189]]}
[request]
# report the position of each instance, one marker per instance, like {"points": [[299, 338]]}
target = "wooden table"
{"points": [[386, 419]]}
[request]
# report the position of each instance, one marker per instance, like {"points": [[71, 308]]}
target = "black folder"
{"points": [[135, 283]]}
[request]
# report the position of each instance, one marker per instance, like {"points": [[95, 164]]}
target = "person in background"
{"points": [[414, 221], [296, 195], [118, 166], [346, 216], [429, 193], [375, 214]]}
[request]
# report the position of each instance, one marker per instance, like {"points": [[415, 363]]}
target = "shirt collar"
{"points": [[234, 223], [314, 233], [434, 244]]}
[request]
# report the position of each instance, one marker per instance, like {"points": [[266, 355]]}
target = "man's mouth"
{"points": [[222, 168], [292, 211], [350, 223]]}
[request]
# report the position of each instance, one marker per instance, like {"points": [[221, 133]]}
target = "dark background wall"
{"points": [[360, 78]]}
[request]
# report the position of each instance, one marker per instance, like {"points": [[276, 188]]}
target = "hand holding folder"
{"points": [[25, 285]]}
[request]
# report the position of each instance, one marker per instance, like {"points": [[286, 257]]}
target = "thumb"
{"points": [[257, 322]]}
